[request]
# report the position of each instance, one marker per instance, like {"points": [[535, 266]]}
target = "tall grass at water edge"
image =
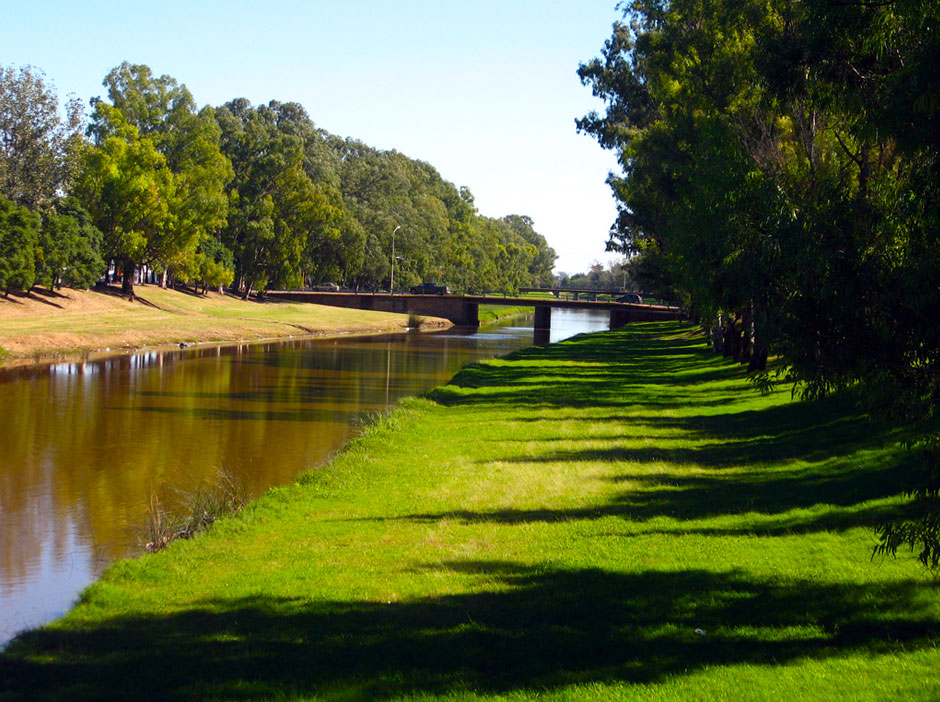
{"points": [[196, 511]]}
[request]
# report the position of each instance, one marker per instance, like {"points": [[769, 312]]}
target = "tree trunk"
{"points": [[745, 346], [728, 334], [717, 334], [247, 291], [127, 284], [163, 279], [758, 360]]}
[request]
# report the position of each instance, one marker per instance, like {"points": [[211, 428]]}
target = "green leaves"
{"points": [[128, 189], [35, 143], [287, 203], [19, 235]]}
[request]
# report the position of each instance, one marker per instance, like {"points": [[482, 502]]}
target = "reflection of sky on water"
{"points": [[54, 575], [87, 444]]}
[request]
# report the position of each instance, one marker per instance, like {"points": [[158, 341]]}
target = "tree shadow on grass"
{"points": [[45, 296], [796, 431], [531, 630], [801, 500], [824, 460], [613, 370], [798, 468]]}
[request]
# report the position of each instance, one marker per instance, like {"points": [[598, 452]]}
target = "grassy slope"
{"points": [[48, 323], [492, 313], [559, 523]]}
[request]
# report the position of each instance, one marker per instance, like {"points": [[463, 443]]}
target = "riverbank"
{"points": [[616, 516], [48, 324], [493, 313]]}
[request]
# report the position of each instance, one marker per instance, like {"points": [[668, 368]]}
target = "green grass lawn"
{"points": [[492, 313], [618, 516]]}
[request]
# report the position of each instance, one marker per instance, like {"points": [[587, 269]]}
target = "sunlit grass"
{"points": [[491, 313], [614, 517], [82, 321]]}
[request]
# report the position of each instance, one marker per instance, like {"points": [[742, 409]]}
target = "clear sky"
{"points": [[486, 91]]}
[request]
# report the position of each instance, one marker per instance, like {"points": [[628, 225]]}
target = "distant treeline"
{"points": [[248, 196]]}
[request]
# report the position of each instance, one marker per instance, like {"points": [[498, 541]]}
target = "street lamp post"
{"points": [[391, 283]]}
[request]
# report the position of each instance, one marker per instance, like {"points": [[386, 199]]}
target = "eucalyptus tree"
{"points": [[541, 256], [679, 82], [38, 157], [165, 113], [131, 195], [36, 141], [277, 213]]}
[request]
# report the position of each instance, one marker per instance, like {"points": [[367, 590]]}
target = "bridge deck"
{"points": [[463, 310], [341, 298]]}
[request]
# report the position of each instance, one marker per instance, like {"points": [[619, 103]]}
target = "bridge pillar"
{"points": [[471, 315], [543, 317], [618, 318]]}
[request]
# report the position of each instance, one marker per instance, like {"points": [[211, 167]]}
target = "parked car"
{"points": [[430, 289], [630, 297]]}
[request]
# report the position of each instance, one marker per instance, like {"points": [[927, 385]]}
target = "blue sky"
{"points": [[485, 91]]}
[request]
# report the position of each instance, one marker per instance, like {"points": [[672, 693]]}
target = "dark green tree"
{"points": [[277, 213], [19, 235], [69, 248]]}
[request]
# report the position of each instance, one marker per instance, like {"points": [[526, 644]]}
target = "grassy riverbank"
{"points": [[493, 313], [46, 323], [613, 517]]}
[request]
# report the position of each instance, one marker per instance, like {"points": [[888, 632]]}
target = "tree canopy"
{"points": [[253, 196], [35, 140]]}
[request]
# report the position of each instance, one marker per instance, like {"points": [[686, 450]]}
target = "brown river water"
{"points": [[84, 447]]}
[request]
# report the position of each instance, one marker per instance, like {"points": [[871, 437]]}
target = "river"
{"points": [[86, 447]]}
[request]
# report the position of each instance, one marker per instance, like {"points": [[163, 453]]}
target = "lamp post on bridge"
{"points": [[391, 282]]}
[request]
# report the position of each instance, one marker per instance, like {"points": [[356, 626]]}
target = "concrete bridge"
{"points": [[463, 310], [578, 293]]}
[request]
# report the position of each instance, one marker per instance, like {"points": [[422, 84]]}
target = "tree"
{"points": [[274, 206], [165, 113], [19, 234], [35, 143], [542, 256], [125, 185], [69, 247]]}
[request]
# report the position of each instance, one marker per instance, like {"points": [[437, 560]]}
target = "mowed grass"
{"points": [[493, 313], [618, 516], [47, 323]]}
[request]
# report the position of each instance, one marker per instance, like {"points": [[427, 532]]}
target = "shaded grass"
{"points": [[564, 523]]}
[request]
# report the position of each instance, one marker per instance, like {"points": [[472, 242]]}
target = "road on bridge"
{"points": [[463, 310]]}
